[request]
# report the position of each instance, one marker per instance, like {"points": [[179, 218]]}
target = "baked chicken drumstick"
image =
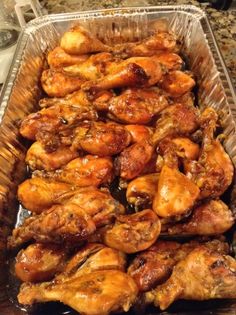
{"points": [[60, 224], [95, 293], [154, 265], [202, 275], [85, 171]]}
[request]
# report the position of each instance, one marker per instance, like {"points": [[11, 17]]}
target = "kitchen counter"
{"points": [[223, 22]]}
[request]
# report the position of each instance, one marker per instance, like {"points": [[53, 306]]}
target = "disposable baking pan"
{"points": [[21, 93]]}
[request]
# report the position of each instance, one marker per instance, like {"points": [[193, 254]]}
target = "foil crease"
{"points": [[22, 90]]}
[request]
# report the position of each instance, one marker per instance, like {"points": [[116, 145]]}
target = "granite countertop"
{"points": [[223, 22]]}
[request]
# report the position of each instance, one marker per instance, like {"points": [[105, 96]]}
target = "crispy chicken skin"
{"points": [[136, 106], [176, 120], [39, 159], [201, 275], [39, 262], [84, 171], [177, 83], [154, 265], [78, 41], [58, 58], [100, 205], [57, 83], [212, 217], [38, 194], [132, 160], [141, 191], [53, 119], [102, 139], [133, 233], [176, 194], [95, 293]]}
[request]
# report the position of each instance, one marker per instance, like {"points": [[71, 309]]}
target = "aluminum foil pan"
{"points": [[22, 91]]}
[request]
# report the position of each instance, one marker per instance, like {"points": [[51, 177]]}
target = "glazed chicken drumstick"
{"points": [[60, 224], [56, 118], [89, 170], [37, 158], [133, 233], [176, 120], [212, 217], [176, 194], [202, 275], [154, 265], [40, 262], [79, 41], [134, 106], [213, 172], [102, 139], [38, 194], [108, 291]]}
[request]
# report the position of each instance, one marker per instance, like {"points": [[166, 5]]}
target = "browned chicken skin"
{"points": [[93, 257], [139, 132], [38, 194], [177, 83], [154, 265], [79, 41], [102, 64], [144, 71], [58, 58], [160, 41], [202, 275], [171, 61], [95, 293], [136, 106], [213, 172], [177, 119], [60, 224], [182, 146], [95, 67], [141, 191], [132, 160], [133, 233], [102, 139], [57, 83], [212, 217], [176, 194], [100, 205], [175, 185], [78, 98], [84, 171], [55, 119], [39, 262], [39, 159]]}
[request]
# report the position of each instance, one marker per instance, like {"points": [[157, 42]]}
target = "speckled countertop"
{"points": [[223, 22]]}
